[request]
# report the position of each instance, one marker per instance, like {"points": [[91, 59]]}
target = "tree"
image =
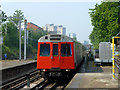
{"points": [[10, 36], [17, 16], [10, 40], [3, 16], [34, 35], [104, 18]]}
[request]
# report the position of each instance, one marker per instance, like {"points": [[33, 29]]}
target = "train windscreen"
{"points": [[55, 49], [66, 50], [44, 49]]}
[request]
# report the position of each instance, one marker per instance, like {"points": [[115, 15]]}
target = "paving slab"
{"points": [[93, 76], [92, 80]]}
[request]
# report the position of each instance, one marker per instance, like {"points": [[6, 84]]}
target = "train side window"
{"points": [[55, 49], [44, 49], [66, 50]]}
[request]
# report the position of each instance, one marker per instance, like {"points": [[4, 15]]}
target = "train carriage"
{"points": [[58, 54]]}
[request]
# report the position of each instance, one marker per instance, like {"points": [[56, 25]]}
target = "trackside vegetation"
{"points": [[10, 35], [104, 18]]}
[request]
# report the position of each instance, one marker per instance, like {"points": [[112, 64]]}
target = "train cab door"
{"points": [[67, 55], [55, 55]]}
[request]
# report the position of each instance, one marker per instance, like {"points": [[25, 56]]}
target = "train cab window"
{"points": [[66, 50], [55, 49], [44, 49]]}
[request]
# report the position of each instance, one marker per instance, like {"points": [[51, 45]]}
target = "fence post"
{"points": [[28, 80], [113, 62]]}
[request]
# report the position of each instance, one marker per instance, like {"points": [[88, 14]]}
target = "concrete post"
{"points": [[19, 39], [25, 32]]}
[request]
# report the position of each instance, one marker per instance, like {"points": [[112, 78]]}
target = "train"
{"points": [[58, 55]]}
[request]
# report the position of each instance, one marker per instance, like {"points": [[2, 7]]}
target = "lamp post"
{"points": [[25, 32], [19, 39]]}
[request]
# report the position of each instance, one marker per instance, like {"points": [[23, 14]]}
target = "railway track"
{"points": [[37, 82], [44, 84], [21, 81], [54, 83]]}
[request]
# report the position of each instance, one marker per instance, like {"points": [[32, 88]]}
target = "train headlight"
{"points": [[67, 70], [44, 70]]}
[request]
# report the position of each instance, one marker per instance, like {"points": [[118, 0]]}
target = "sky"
{"points": [[72, 15]]}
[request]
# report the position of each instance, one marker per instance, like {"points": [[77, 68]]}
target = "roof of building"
{"points": [[33, 26]]}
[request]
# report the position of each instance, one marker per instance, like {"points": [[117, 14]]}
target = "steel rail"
{"points": [[21, 81]]}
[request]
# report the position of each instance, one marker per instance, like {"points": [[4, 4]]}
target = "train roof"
{"points": [[55, 38]]}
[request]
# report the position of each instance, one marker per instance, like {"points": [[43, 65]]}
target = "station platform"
{"points": [[13, 63], [92, 80], [12, 69], [94, 77]]}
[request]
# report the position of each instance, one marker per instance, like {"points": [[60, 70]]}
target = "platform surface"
{"points": [[13, 63], [94, 77], [93, 80]]}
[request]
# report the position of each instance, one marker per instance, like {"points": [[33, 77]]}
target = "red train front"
{"points": [[56, 55]]}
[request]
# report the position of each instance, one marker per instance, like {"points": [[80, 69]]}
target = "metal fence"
{"points": [[115, 54]]}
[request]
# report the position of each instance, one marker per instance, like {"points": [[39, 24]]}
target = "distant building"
{"points": [[32, 26], [61, 30], [49, 27], [64, 31], [87, 45], [73, 35], [55, 29], [86, 42]]}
